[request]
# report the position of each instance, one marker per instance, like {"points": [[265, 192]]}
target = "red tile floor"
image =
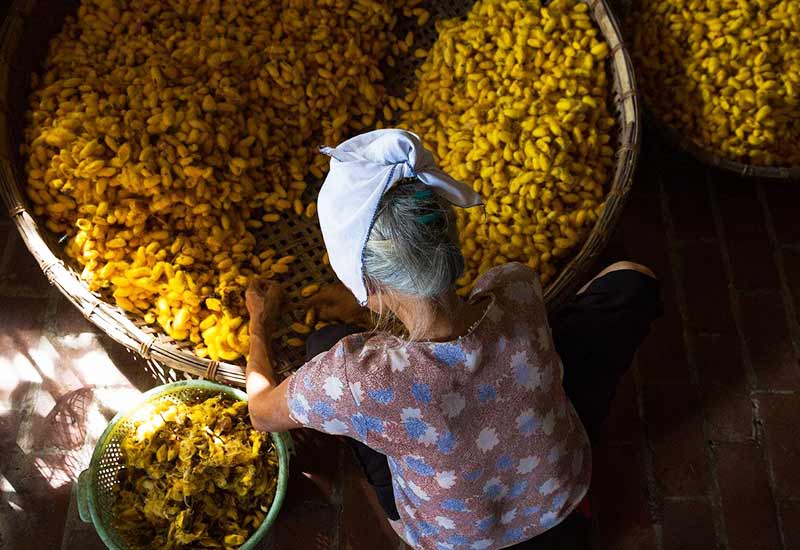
{"points": [[701, 450]]}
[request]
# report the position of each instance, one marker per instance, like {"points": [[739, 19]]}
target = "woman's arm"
{"points": [[269, 411]]}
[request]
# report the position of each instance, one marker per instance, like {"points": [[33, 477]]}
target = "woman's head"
{"points": [[412, 248], [420, 256]]}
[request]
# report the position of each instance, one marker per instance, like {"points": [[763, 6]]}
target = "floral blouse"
{"points": [[484, 447]]}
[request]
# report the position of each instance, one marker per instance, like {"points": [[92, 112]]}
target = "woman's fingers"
{"points": [[259, 286], [326, 295], [263, 298], [272, 292], [265, 287], [332, 303], [328, 300]]}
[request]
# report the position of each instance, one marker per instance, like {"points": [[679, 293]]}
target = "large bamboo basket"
{"points": [[698, 150], [24, 37]]}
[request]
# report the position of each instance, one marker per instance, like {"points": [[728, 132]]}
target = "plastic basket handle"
{"points": [[82, 492]]}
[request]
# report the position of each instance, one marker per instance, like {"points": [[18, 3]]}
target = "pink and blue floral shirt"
{"points": [[484, 447]]}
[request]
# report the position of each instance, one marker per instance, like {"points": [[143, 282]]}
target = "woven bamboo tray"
{"points": [[24, 37]]}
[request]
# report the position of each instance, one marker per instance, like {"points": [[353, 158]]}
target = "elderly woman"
{"points": [[473, 428]]}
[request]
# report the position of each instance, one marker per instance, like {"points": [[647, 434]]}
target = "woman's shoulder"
{"points": [[369, 352], [514, 281]]}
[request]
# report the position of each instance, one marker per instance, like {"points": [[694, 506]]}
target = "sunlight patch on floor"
{"points": [[117, 398], [45, 356], [17, 369], [5, 485], [56, 474]]}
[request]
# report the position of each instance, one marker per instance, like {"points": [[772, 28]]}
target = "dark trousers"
{"points": [[596, 335]]}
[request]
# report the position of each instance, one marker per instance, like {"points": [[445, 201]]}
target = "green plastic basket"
{"points": [[95, 484]]}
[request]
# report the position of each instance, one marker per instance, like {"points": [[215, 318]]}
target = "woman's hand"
{"points": [[267, 403], [263, 299], [336, 303]]}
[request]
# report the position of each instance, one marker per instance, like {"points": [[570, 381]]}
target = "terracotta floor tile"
{"points": [[688, 525], [307, 527], [783, 206], [675, 431], [779, 413], [706, 288], [689, 200], [746, 236], [662, 357], [769, 341], [790, 516], [724, 386], [791, 263], [748, 508], [620, 499]]}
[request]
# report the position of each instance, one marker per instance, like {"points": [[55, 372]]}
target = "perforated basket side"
{"points": [[103, 480]]}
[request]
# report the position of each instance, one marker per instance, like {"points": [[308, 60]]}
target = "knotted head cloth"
{"points": [[362, 170]]}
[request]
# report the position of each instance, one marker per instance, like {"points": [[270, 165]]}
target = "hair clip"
{"points": [[428, 218]]}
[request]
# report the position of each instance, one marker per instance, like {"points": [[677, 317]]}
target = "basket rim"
{"points": [[568, 279], [146, 397], [156, 347], [707, 156]]}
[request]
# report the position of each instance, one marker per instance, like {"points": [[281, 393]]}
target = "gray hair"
{"points": [[413, 245]]}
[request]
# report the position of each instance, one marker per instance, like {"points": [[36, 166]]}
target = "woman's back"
{"points": [[484, 447]]}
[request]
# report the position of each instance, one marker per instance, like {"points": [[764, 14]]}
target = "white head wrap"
{"points": [[362, 169]]}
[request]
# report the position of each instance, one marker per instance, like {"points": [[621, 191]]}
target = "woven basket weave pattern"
{"points": [[24, 39]]}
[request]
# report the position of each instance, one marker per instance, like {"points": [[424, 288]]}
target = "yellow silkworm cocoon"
{"points": [[309, 290]]}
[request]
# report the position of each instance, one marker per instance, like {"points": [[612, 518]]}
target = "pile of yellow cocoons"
{"points": [[164, 136], [724, 73], [165, 140], [514, 101]]}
